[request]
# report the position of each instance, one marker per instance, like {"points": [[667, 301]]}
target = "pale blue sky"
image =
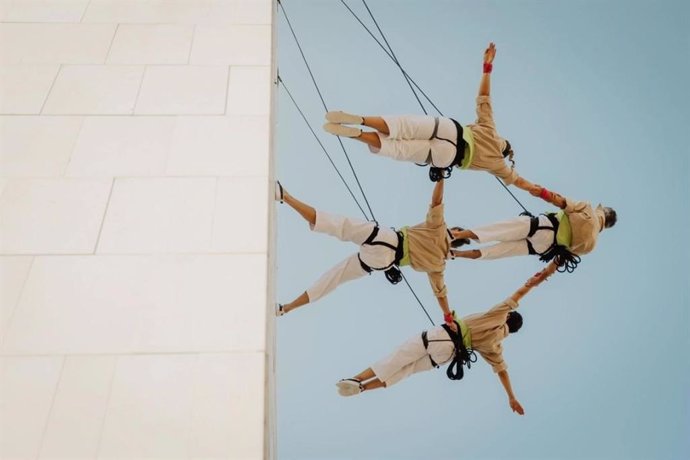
{"points": [[593, 97]]}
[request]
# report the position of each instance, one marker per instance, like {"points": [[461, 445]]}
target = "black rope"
{"points": [[395, 58], [341, 145], [392, 57], [318, 90], [418, 301], [409, 79], [280, 80]]}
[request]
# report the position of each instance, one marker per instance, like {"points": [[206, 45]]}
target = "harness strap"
{"points": [[566, 260], [425, 341], [392, 272], [461, 355]]}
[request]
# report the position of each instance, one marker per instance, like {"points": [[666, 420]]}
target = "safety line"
{"points": [[294, 35], [318, 90], [391, 56], [395, 58], [280, 80], [287, 90], [415, 296], [409, 79]]}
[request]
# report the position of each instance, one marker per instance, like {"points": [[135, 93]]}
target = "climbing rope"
{"points": [[287, 90], [323, 102], [316, 86]]}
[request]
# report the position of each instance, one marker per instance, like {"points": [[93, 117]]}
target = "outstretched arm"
{"points": [[527, 186], [437, 196], [448, 317], [535, 280], [438, 285], [514, 404], [485, 84], [548, 196]]}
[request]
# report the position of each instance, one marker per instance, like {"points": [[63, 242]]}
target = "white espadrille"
{"points": [[344, 118], [343, 131], [278, 192], [349, 387]]}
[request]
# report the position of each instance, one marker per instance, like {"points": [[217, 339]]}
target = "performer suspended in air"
{"points": [[562, 236], [481, 332], [424, 246], [439, 142]]}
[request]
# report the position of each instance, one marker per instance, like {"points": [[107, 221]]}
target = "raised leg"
{"points": [[468, 254], [304, 210], [378, 123], [303, 299], [373, 385], [464, 234], [365, 375]]}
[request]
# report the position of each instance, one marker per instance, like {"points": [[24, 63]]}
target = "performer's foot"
{"points": [[278, 192], [345, 118], [279, 310], [349, 387], [343, 131]]}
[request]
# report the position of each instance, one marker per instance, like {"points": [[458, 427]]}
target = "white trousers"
{"points": [[355, 231], [411, 357], [512, 235], [409, 140]]}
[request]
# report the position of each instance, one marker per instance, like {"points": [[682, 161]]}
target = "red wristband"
{"points": [[488, 67], [448, 318], [545, 194]]}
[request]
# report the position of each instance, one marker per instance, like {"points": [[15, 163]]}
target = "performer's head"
{"points": [[508, 152], [514, 321], [610, 217], [607, 217]]}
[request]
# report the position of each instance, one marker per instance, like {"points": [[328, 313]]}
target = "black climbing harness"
{"points": [[462, 356], [566, 260], [391, 271], [436, 173]]}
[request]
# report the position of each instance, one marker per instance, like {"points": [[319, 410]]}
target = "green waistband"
{"points": [[406, 248], [469, 148], [466, 334], [564, 235]]}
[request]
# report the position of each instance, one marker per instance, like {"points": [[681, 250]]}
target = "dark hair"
{"points": [[610, 217], [508, 152], [514, 321]]}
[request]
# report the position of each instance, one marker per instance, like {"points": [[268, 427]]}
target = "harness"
{"points": [[462, 356], [566, 260], [435, 173], [391, 271]]}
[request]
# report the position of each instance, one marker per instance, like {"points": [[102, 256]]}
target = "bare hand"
{"points": [[453, 326], [490, 53], [515, 405]]}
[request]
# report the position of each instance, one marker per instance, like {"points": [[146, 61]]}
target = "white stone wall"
{"points": [[136, 229]]}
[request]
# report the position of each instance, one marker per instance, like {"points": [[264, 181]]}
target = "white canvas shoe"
{"points": [[345, 118], [279, 310], [349, 387], [343, 131], [278, 192]]}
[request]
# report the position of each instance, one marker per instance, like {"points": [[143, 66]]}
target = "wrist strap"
{"points": [[488, 67], [545, 194], [448, 318]]}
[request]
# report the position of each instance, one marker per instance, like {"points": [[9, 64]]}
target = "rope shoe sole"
{"points": [[343, 131], [344, 118]]}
